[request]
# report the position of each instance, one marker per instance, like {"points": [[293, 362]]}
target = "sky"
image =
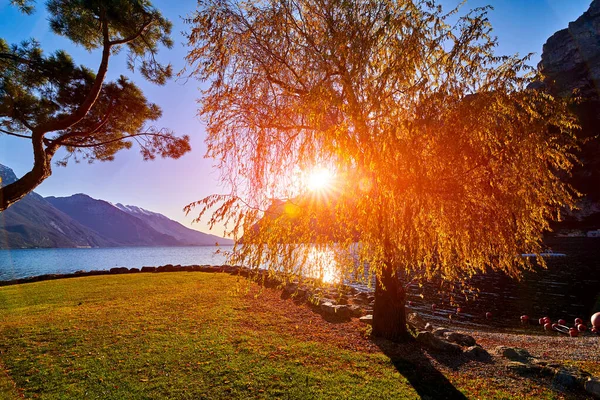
{"points": [[167, 185]]}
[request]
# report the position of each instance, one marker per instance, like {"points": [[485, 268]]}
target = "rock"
{"points": [[477, 353], [570, 56], [366, 319], [355, 310], [290, 289], [565, 379], [441, 331], [119, 270], [428, 340], [541, 363], [324, 300], [592, 386], [415, 320], [301, 294], [546, 368], [336, 310], [148, 269], [230, 269], [459, 338], [513, 353], [167, 268], [570, 62], [523, 368], [134, 270]]}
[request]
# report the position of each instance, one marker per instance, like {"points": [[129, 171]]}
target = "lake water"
{"points": [[21, 263]]}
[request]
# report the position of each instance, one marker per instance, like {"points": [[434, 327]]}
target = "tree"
{"points": [[56, 104], [445, 164]]}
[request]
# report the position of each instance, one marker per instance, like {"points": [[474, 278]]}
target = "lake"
{"points": [[21, 263]]}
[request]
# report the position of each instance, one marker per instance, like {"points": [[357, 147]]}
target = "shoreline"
{"points": [[328, 301]]}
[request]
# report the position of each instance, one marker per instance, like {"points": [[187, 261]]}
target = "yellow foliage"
{"points": [[446, 164]]}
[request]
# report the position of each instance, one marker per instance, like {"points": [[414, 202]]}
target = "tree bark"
{"points": [[389, 315], [42, 168]]}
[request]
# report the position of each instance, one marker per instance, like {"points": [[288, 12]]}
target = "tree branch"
{"points": [[70, 135], [131, 38], [15, 134], [60, 143], [14, 57], [84, 108]]}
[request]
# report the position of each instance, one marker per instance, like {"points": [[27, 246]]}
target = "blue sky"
{"points": [[166, 185]]}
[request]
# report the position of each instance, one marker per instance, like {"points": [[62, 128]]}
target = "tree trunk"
{"points": [[15, 191], [389, 315]]}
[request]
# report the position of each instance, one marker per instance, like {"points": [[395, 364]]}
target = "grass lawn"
{"points": [[195, 335]]}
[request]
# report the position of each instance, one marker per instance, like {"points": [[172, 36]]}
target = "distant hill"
{"points": [[110, 222], [81, 221], [167, 226], [34, 222]]}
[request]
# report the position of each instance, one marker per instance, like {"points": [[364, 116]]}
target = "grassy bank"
{"points": [[193, 335]]}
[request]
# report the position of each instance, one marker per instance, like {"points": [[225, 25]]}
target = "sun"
{"points": [[319, 179]]}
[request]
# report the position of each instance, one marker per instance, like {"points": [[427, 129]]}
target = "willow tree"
{"points": [[56, 104], [445, 165]]}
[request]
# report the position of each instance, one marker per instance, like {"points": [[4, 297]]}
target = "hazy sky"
{"points": [[166, 185]]}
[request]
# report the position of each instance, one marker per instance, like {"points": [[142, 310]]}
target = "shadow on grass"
{"points": [[410, 361]]}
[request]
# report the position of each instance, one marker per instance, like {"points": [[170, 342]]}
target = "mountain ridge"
{"points": [[82, 221], [163, 224]]}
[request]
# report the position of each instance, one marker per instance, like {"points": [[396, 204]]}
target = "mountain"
{"points": [[167, 226], [81, 221], [111, 222], [571, 57], [34, 222], [570, 64]]}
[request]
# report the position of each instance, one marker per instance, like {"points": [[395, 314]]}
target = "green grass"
{"points": [[182, 335]]}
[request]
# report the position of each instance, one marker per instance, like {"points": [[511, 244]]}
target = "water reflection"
{"points": [[321, 264]]}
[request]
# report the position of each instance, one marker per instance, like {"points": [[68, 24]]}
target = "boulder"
{"points": [[513, 353], [477, 353], [362, 295], [430, 341], [355, 310], [565, 379], [592, 387], [460, 338], [230, 269], [167, 268], [119, 270], [289, 290], [546, 369], [366, 319], [134, 270], [441, 332], [335, 310], [148, 269], [415, 320], [523, 368]]}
